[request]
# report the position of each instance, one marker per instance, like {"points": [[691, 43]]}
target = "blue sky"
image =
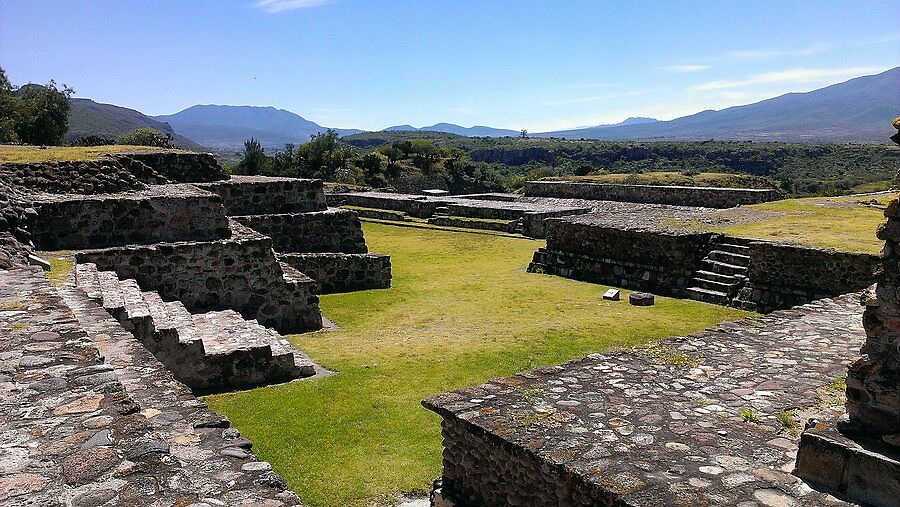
{"points": [[538, 65]]}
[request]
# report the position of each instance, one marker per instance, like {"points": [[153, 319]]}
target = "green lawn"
{"points": [[27, 154], [462, 311], [841, 223]]}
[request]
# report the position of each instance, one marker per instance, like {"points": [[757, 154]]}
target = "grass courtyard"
{"points": [[842, 223], [462, 310]]}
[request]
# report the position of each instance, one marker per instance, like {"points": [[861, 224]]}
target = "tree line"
{"points": [[402, 165]]}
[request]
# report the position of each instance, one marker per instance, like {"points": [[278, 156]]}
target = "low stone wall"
{"points": [[104, 175], [178, 167], [333, 230], [240, 273], [260, 195], [706, 197], [661, 262], [469, 223], [159, 214], [416, 206], [664, 262], [481, 469], [782, 275], [339, 272]]}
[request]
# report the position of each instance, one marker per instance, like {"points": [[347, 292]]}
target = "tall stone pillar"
{"points": [[873, 380]]}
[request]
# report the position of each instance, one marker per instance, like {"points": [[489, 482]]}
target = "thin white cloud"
{"points": [[594, 98], [686, 68], [275, 6], [800, 75]]}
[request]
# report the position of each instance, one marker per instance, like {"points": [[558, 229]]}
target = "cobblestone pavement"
{"points": [[698, 420], [88, 417]]}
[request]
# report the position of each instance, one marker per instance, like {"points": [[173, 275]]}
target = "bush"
{"points": [[93, 140], [147, 137]]}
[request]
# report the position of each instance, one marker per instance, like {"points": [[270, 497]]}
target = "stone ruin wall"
{"points": [[334, 230], [170, 213], [178, 166], [112, 173], [481, 469], [15, 211], [257, 195], [703, 197], [781, 275], [240, 273], [873, 381], [661, 262], [338, 272]]}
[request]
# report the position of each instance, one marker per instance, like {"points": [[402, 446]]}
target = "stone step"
{"points": [[713, 285], [729, 257], [87, 278], [157, 308], [135, 306], [723, 268], [733, 248], [708, 296], [719, 277], [110, 291]]}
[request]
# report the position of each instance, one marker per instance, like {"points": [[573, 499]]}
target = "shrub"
{"points": [[147, 137]]}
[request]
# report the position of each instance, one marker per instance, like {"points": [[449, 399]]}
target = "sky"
{"points": [[368, 64]]}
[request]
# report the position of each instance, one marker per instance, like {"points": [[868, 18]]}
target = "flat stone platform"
{"points": [[88, 416], [704, 419]]}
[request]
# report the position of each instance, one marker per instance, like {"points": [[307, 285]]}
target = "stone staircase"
{"points": [[210, 351], [723, 272]]}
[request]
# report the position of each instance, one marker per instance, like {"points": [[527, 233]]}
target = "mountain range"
{"points": [[227, 127], [860, 109], [87, 117]]}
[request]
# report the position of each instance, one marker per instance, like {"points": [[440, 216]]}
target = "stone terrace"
{"points": [[655, 426], [89, 417]]}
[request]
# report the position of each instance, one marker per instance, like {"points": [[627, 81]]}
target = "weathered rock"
{"points": [[641, 299]]}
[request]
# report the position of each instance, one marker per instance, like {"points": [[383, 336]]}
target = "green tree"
{"points": [[8, 104], [42, 113], [323, 155], [253, 159], [147, 137]]}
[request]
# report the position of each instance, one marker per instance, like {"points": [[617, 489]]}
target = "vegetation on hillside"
{"points": [[459, 313], [147, 136], [406, 165], [798, 169], [33, 114]]}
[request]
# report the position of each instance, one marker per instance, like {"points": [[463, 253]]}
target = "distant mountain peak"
{"points": [[860, 109]]}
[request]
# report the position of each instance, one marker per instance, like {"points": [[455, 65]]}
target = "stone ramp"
{"points": [[89, 417], [212, 350], [698, 420]]}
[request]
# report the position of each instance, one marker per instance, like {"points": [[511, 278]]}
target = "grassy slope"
{"points": [[828, 222], [462, 311], [703, 179], [26, 154]]}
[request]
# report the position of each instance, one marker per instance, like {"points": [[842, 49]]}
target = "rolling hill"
{"points": [[450, 128], [227, 127], [87, 117], [860, 109]]}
